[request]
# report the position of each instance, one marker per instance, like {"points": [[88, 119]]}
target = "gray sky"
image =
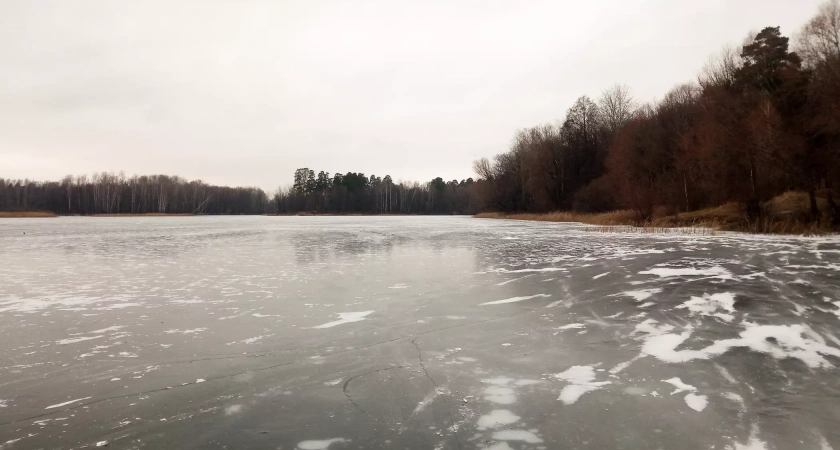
{"points": [[244, 92]]}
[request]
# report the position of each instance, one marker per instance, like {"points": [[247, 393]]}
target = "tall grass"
{"points": [[23, 214]]}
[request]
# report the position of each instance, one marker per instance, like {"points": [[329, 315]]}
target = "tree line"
{"points": [[109, 193], [115, 193], [760, 119], [356, 193]]}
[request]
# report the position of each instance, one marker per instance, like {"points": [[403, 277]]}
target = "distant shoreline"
{"points": [[49, 214]]}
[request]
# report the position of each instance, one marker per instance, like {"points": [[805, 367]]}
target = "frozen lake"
{"points": [[412, 332]]}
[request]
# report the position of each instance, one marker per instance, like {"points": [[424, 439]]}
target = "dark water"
{"points": [[412, 332]]}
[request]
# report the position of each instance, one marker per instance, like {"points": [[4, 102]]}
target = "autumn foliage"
{"points": [[760, 120]]}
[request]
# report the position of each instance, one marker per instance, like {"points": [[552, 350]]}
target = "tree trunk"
{"points": [[815, 210]]}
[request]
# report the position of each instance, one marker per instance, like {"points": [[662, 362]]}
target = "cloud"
{"points": [[246, 92]]}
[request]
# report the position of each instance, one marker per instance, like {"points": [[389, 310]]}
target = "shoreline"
{"points": [[618, 221]]}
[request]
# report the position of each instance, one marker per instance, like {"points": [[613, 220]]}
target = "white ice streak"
{"points": [[191, 331], [346, 317], [545, 269], [571, 326], [111, 328], [754, 443], [512, 280], [664, 272], [513, 299], [59, 405], [725, 373], [428, 399], [735, 398], [582, 380], [251, 340], [78, 339], [319, 445], [708, 305]]}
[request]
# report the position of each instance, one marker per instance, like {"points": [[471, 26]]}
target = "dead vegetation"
{"points": [[143, 215], [785, 214], [25, 214]]}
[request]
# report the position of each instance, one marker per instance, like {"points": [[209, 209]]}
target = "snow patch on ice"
{"points": [[641, 295], [517, 435], [348, 317], [319, 445], [680, 386], [499, 394], [779, 341], [708, 305], [582, 380], [696, 402], [497, 418], [498, 446]]}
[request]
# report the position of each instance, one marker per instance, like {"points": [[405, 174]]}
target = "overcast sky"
{"points": [[244, 92]]}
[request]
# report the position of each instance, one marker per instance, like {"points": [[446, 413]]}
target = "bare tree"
{"points": [[617, 106]]}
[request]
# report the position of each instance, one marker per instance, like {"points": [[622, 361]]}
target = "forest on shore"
{"points": [[761, 120], [352, 193]]}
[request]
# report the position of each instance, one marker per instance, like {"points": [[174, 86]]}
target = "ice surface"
{"points": [[134, 313]]}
